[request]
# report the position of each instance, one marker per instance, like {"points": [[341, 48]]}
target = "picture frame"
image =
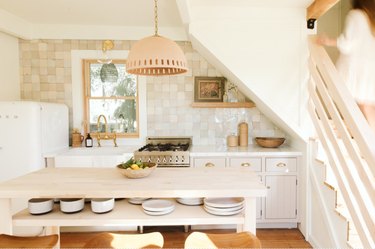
{"points": [[209, 89]]}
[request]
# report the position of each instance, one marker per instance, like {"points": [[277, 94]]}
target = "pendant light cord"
{"points": [[156, 17]]}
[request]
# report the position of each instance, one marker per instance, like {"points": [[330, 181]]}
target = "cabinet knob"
{"points": [[281, 165], [268, 187], [210, 164], [245, 164]]}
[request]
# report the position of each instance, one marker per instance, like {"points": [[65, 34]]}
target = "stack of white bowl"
{"points": [[194, 201], [72, 205], [102, 205], [224, 206], [158, 207], [40, 205], [138, 200]]}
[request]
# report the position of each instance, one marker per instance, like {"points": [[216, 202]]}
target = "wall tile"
{"points": [[46, 76]]}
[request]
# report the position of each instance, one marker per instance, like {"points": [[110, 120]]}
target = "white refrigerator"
{"points": [[28, 132]]}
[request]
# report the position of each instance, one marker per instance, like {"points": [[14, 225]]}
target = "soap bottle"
{"points": [[88, 140]]}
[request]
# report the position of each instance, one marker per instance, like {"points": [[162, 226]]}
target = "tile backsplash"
{"points": [[45, 70]]}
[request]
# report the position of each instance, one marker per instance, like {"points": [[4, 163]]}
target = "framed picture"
{"points": [[209, 89]]}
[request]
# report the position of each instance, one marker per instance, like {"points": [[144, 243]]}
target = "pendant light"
{"points": [[108, 71], [156, 55]]}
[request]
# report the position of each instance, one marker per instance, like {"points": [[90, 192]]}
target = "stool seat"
{"points": [[11, 241], [115, 240], [232, 240]]}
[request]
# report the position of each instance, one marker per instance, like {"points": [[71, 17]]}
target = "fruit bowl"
{"points": [[269, 142], [138, 172]]}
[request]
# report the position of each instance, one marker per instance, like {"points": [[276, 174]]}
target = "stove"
{"points": [[165, 151]]}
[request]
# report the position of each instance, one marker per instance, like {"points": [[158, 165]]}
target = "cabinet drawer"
{"points": [[209, 162], [282, 164], [254, 163]]}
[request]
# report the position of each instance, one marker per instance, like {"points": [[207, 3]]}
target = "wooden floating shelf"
{"points": [[222, 104]]}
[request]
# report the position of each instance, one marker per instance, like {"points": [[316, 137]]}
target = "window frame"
{"points": [[86, 98]]}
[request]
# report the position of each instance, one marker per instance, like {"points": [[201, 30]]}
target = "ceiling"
{"points": [[94, 12]]}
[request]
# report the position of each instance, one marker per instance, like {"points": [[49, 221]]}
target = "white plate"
{"points": [[223, 212], [190, 201], [137, 200], [230, 209], [223, 202], [158, 212], [157, 205]]}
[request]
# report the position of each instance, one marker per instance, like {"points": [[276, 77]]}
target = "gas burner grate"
{"points": [[165, 147]]}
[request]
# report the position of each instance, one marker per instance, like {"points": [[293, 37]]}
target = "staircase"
{"points": [[344, 178]]}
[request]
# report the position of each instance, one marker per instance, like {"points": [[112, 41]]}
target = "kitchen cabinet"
{"points": [[281, 201], [280, 176]]}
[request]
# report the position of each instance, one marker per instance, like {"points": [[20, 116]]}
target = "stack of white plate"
{"points": [[224, 206], [137, 200], [190, 201], [158, 207]]}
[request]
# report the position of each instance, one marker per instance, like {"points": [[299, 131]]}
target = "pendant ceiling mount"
{"points": [[156, 55]]}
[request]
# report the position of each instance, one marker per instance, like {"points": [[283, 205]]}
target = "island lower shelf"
{"points": [[125, 213]]}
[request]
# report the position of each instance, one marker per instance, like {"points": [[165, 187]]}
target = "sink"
{"points": [[94, 156]]}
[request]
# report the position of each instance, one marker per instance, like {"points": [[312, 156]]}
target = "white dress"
{"points": [[356, 63]]}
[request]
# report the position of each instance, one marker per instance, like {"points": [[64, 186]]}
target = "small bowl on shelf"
{"points": [[137, 173], [269, 142], [40, 205], [72, 205], [102, 205]]}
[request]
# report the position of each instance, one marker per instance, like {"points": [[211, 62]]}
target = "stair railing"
{"points": [[347, 139]]}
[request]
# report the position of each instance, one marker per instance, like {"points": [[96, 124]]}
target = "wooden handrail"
{"points": [[330, 99], [319, 7]]}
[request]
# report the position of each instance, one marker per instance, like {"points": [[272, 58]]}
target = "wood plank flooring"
{"points": [[174, 237]]}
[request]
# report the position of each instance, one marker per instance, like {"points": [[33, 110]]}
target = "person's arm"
{"points": [[324, 40]]}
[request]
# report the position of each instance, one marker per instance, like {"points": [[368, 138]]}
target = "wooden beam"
{"points": [[319, 7]]}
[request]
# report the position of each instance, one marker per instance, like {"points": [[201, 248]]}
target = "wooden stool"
{"points": [[10, 241], [231, 240], [113, 240]]}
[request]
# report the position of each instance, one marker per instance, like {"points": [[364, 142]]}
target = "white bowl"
{"points": [[71, 205], [40, 205], [102, 205]]}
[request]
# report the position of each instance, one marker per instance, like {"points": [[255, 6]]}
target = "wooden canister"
{"points": [[232, 141], [243, 133], [77, 139]]}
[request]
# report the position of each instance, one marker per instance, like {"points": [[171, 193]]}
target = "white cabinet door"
{"points": [[259, 204], [210, 162], [281, 200]]}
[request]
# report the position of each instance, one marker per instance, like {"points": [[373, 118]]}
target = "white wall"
{"points": [[264, 51], [9, 68]]}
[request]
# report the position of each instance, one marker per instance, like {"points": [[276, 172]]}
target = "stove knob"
{"points": [[176, 159], [170, 159], [164, 160], [158, 160], [182, 159], [149, 160]]}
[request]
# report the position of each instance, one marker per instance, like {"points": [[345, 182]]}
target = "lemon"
{"points": [[134, 166]]}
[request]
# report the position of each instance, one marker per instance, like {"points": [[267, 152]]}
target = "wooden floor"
{"points": [[174, 237]]}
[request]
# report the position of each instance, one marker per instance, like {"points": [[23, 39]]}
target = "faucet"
{"points": [[106, 135]]}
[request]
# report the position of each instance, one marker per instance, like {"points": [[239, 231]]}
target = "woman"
{"points": [[356, 63]]}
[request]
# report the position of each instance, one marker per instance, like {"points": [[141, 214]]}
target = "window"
{"points": [[113, 93]]}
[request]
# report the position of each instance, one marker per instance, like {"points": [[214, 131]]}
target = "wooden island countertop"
{"points": [[109, 182]]}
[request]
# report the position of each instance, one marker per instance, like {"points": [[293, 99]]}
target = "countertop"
{"points": [[195, 150], [250, 150]]}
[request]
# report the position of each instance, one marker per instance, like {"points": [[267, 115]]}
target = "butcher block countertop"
{"points": [[108, 182]]}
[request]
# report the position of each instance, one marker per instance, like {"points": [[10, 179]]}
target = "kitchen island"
{"points": [[108, 182]]}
